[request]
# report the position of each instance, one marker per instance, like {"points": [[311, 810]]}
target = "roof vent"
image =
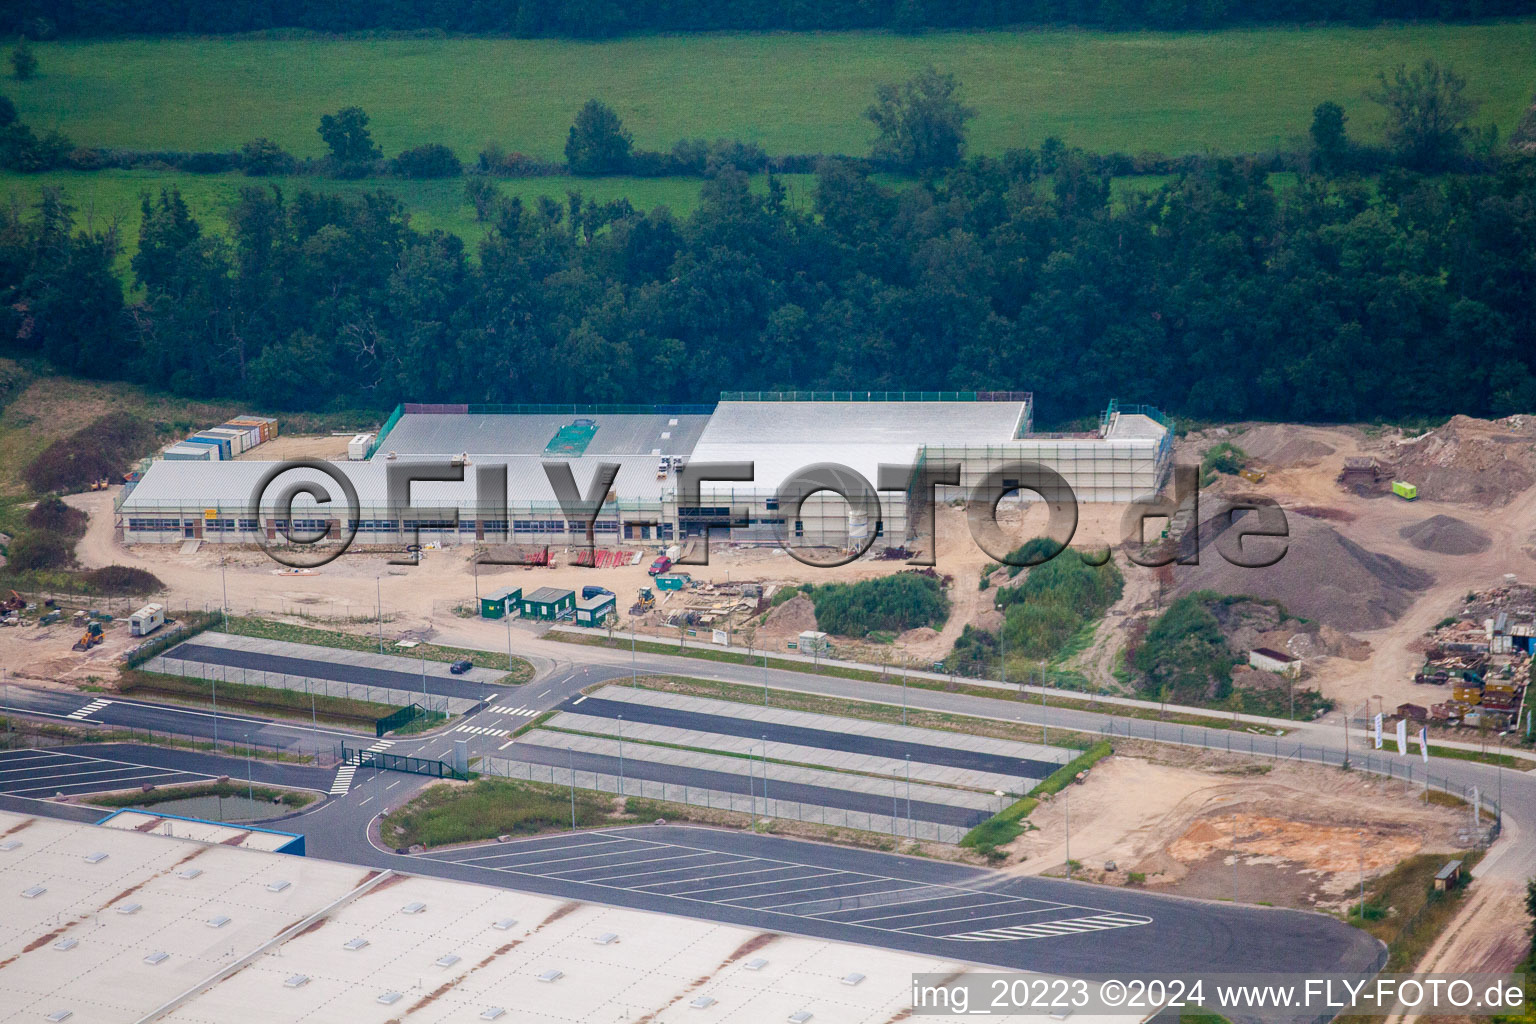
{"points": [[65, 945], [130, 908], [551, 975], [703, 1002], [7, 847], [279, 885], [218, 921], [354, 944], [95, 858], [59, 1015], [388, 998], [296, 981], [852, 979], [606, 939], [189, 873], [413, 908], [447, 960], [157, 957], [34, 892], [799, 1017], [756, 964], [492, 1013], [506, 924]]}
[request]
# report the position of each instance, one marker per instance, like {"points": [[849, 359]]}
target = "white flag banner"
{"points": [[1402, 737], [1377, 737], [1424, 743]]}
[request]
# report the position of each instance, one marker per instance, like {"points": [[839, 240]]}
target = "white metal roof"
{"points": [[530, 433]]}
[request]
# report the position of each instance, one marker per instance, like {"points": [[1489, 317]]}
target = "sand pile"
{"points": [[1324, 576], [791, 618], [1278, 445], [1481, 462], [1446, 535]]}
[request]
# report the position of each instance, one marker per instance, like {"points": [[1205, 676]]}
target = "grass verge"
{"points": [[449, 813], [289, 798], [1403, 909], [291, 704], [518, 671], [20, 733], [1006, 825]]}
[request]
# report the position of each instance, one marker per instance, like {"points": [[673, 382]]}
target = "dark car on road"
{"points": [[461, 666]]}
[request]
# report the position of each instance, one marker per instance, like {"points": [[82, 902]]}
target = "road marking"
{"points": [[1070, 926], [392, 785], [578, 700], [90, 709], [369, 800], [503, 710], [380, 746], [480, 730], [505, 745], [544, 694], [343, 779]]}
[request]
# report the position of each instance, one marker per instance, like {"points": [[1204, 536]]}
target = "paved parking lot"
{"points": [[858, 899], [43, 773]]}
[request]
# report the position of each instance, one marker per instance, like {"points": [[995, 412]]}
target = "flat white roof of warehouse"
{"points": [[495, 434], [220, 934], [228, 486]]}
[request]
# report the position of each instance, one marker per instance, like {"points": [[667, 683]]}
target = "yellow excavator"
{"points": [[644, 603], [90, 638]]}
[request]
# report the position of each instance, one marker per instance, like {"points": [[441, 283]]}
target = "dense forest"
{"points": [[601, 18], [1213, 295]]}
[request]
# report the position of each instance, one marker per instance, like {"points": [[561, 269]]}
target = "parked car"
{"points": [[461, 666], [660, 566], [589, 592]]}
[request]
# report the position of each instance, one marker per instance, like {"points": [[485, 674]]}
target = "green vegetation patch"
{"points": [[101, 450], [289, 798], [264, 699], [444, 814], [893, 604], [989, 837], [1403, 909]]}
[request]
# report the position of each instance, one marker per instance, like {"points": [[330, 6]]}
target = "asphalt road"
{"points": [[894, 803], [826, 739], [315, 668]]}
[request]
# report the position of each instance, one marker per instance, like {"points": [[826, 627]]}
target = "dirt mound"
{"points": [[791, 618], [1323, 576], [1446, 535], [1480, 462], [920, 635], [1277, 445]]}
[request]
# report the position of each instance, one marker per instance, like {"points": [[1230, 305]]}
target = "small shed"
{"points": [[503, 601], [595, 610], [1267, 659], [1448, 877], [548, 603], [813, 641], [146, 620]]}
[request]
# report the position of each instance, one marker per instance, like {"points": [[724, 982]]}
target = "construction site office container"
{"points": [[505, 600], [548, 603], [221, 446], [181, 452], [1404, 490], [592, 611], [357, 448], [146, 620]]}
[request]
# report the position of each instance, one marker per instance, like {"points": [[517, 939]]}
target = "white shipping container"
{"points": [[251, 434], [357, 448], [236, 439], [191, 453]]}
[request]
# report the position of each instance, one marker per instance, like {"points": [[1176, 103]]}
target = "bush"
{"points": [[122, 581], [50, 513], [39, 550], [103, 449], [1186, 651], [433, 160], [1225, 458], [261, 157], [891, 604]]}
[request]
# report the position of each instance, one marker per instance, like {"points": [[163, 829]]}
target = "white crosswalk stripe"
{"points": [[480, 730], [380, 746], [501, 710], [1070, 926], [89, 710], [343, 779]]}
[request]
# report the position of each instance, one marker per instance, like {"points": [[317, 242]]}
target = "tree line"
{"points": [[603, 18], [1212, 295]]}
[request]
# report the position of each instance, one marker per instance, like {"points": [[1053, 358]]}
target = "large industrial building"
{"points": [[779, 433]]}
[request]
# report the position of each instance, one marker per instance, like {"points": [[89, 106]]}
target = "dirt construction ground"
{"points": [[1197, 824]]}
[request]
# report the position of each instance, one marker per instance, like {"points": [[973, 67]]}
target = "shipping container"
{"points": [[357, 448], [183, 452], [594, 611], [266, 424], [236, 437], [220, 445], [249, 432], [1404, 490], [504, 601]]}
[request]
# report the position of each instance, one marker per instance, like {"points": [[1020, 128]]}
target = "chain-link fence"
{"points": [[897, 823], [393, 696], [21, 734], [1410, 771]]}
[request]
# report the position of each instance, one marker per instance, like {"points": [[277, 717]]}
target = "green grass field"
{"points": [[1237, 90]]}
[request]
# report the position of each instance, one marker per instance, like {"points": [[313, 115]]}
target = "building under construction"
{"points": [[505, 494]]}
